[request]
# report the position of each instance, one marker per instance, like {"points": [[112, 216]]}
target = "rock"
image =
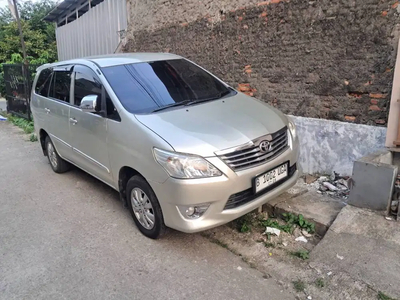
{"points": [[340, 257], [344, 182], [323, 179], [301, 239], [329, 273], [305, 233], [341, 186], [273, 231], [310, 179], [284, 244], [309, 298], [323, 188], [239, 268], [333, 176], [297, 232], [330, 186]]}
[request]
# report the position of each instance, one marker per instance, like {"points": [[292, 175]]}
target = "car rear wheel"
{"points": [[144, 207], [56, 162]]}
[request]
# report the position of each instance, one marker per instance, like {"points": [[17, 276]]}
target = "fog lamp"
{"points": [[195, 211]]}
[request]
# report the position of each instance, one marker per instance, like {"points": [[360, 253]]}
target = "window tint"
{"points": [[86, 83], [60, 85], [143, 87], [43, 82]]}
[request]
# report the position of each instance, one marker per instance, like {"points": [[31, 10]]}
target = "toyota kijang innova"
{"points": [[183, 148]]}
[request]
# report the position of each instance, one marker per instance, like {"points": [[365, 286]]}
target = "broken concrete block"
{"points": [[323, 179], [330, 186]]}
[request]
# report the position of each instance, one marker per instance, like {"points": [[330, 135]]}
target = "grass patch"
{"points": [[299, 285], [244, 223], [275, 224], [299, 221], [383, 296], [320, 282], [25, 125], [291, 221], [33, 137], [303, 254]]}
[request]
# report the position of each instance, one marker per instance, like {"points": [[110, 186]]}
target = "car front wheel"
{"points": [[144, 207]]}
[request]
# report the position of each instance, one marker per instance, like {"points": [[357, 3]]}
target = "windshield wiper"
{"points": [[191, 102], [216, 97], [181, 103]]}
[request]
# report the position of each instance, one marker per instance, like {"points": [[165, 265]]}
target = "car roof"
{"points": [[119, 59]]}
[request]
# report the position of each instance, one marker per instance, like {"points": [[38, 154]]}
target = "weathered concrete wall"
{"points": [[327, 146], [329, 59]]}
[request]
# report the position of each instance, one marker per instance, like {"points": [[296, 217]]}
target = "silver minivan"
{"points": [[184, 149]]}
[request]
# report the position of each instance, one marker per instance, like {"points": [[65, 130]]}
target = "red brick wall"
{"points": [[324, 59]]}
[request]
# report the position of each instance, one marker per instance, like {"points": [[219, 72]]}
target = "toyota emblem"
{"points": [[265, 146]]}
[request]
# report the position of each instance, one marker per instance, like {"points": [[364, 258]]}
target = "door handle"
{"points": [[73, 121], [47, 110]]}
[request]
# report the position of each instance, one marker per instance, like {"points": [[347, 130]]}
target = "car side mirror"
{"points": [[89, 103]]}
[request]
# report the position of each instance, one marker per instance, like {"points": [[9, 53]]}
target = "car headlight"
{"points": [[292, 129], [185, 166]]}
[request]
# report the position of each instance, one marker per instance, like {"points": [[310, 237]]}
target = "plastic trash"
{"points": [[271, 230], [301, 239]]}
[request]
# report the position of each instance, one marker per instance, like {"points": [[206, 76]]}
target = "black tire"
{"points": [[137, 184], [56, 162]]}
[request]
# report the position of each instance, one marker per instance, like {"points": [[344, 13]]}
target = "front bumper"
{"points": [[217, 190]]}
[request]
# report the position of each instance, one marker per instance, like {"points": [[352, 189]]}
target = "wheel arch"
{"points": [[124, 174], [42, 137]]}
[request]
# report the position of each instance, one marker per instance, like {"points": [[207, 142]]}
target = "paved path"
{"points": [[68, 237], [3, 104]]}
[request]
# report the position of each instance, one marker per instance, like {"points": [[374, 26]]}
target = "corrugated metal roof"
{"points": [[61, 8], [67, 6]]}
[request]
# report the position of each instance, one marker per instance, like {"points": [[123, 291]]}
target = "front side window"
{"points": [[86, 83], [60, 85], [149, 86], [43, 82]]}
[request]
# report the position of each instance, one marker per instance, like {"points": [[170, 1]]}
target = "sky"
{"points": [[5, 2]]}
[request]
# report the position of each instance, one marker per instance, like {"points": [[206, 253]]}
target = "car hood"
{"points": [[208, 127]]}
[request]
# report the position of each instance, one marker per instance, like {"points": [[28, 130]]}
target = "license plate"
{"points": [[269, 178]]}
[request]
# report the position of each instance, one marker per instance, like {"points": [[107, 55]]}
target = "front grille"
{"points": [[248, 195], [251, 155]]}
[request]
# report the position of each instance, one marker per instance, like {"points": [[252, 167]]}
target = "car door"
{"points": [[56, 108], [89, 130]]}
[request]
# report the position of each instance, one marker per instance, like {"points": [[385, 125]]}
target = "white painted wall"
{"points": [[327, 146]]}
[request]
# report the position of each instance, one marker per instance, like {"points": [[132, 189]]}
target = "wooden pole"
{"points": [[20, 32]]}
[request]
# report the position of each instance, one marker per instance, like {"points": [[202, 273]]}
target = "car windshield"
{"points": [[153, 86]]}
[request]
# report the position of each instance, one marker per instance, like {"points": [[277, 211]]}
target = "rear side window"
{"points": [[43, 82], [86, 83], [60, 85]]}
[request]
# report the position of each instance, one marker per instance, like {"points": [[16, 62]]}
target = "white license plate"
{"points": [[269, 178]]}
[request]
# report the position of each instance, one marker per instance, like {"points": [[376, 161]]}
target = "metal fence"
{"points": [[18, 80], [97, 32]]}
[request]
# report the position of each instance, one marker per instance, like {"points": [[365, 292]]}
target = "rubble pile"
{"points": [[334, 185]]}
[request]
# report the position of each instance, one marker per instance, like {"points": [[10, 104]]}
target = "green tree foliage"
{"points": [[40, 40]]}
